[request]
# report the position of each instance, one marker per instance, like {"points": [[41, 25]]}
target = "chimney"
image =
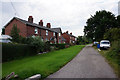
{"points": [[71, 33], [41, 23], [67, 32], [30, 19], [48, 25]]}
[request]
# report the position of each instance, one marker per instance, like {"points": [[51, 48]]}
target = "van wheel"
{"points": [[100, 48]]}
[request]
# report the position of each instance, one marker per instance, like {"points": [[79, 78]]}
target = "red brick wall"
{"points": [[41, 32], [30, 31], [21, 26], [67, 37]]}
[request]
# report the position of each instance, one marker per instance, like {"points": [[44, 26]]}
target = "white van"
{"points": [[104, 44]]}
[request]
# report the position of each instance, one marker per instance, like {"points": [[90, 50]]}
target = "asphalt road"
{"points": [[87, 64]]}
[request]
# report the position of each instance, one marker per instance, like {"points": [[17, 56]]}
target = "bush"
{"points": [[12, 51], [47, 46], [114, 51], [37, 43], [58, 46]]}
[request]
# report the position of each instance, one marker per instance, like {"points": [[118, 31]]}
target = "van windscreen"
{"points": [[105, 42]]}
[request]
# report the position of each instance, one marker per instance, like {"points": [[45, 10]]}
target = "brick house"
{"points": [[60, 37], [28, 28], [69, 38]]}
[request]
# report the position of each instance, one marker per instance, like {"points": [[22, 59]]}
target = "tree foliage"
{"points": [[112, 34], [37, 43], [118, 21], [98, 24], [15, 34], [82, 40]]}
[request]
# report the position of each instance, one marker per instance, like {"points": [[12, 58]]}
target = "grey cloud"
{"points": [[68, 14]]}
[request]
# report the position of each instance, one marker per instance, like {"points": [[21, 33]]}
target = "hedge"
{"points": [[12, 51], [58, 46]]}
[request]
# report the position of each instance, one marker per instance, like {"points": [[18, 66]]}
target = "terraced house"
{"points": [[69, 37], [28, 28]]}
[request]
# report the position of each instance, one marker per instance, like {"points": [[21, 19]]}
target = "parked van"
{"points": [[104, 44]]}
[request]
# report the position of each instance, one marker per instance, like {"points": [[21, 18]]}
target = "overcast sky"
{"points": [[70, 15]]}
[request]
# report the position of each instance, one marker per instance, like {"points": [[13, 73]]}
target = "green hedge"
{"points": [[58, 46], [12, 51]]}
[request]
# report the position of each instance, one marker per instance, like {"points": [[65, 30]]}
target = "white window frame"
{"points": [[36, 30], [59, 34], [75, 39], [53, 33], [46, 32], [42, 39]]}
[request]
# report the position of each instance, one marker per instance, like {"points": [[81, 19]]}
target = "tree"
{"points": [[112, 34], [15, 33], [98, 24], [118, 21], [83, 40]]}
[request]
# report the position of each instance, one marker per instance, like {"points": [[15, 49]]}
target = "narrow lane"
{"points": [[87, 64]]}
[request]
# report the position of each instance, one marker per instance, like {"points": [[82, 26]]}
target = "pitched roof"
{"points": [[71, 35], [31, 24], [57, 29]]}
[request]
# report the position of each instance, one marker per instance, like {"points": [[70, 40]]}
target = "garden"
{"points": [[44, 64]]}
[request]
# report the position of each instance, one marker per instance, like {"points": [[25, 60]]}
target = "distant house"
{"points": [[69, 37], [60, 37], [28, 28]]}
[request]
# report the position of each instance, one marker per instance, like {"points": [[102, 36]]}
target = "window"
{"points": [[42, 39], [75, 39], [59, 34], [53, 33], [59, 41], [55, 40], [36, 30], [46, 32], [46, 39]]}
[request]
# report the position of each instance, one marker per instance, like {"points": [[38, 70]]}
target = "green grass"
{"points": [[44, 64], [112, 61]]}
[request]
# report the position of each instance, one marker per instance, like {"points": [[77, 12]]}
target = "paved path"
{"points": [[87, 64]]}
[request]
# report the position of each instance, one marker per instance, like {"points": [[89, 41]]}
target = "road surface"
{"points": [[87, 64]]}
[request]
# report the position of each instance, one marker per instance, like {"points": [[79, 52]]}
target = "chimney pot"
{"points": [[71, 33], [48, 25], [66, 31], [41, 23], [30, 19]]}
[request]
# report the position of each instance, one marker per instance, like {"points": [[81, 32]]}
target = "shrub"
{"points": [[12, 51], [114, 51], [58, 46], [37, 43], [47, 46]]}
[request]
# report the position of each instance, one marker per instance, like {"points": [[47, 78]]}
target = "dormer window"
{"points": [[36, 30], [46, 32]]}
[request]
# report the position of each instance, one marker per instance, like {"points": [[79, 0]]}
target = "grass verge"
{"points": [[112, 61], [44, 64]]}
